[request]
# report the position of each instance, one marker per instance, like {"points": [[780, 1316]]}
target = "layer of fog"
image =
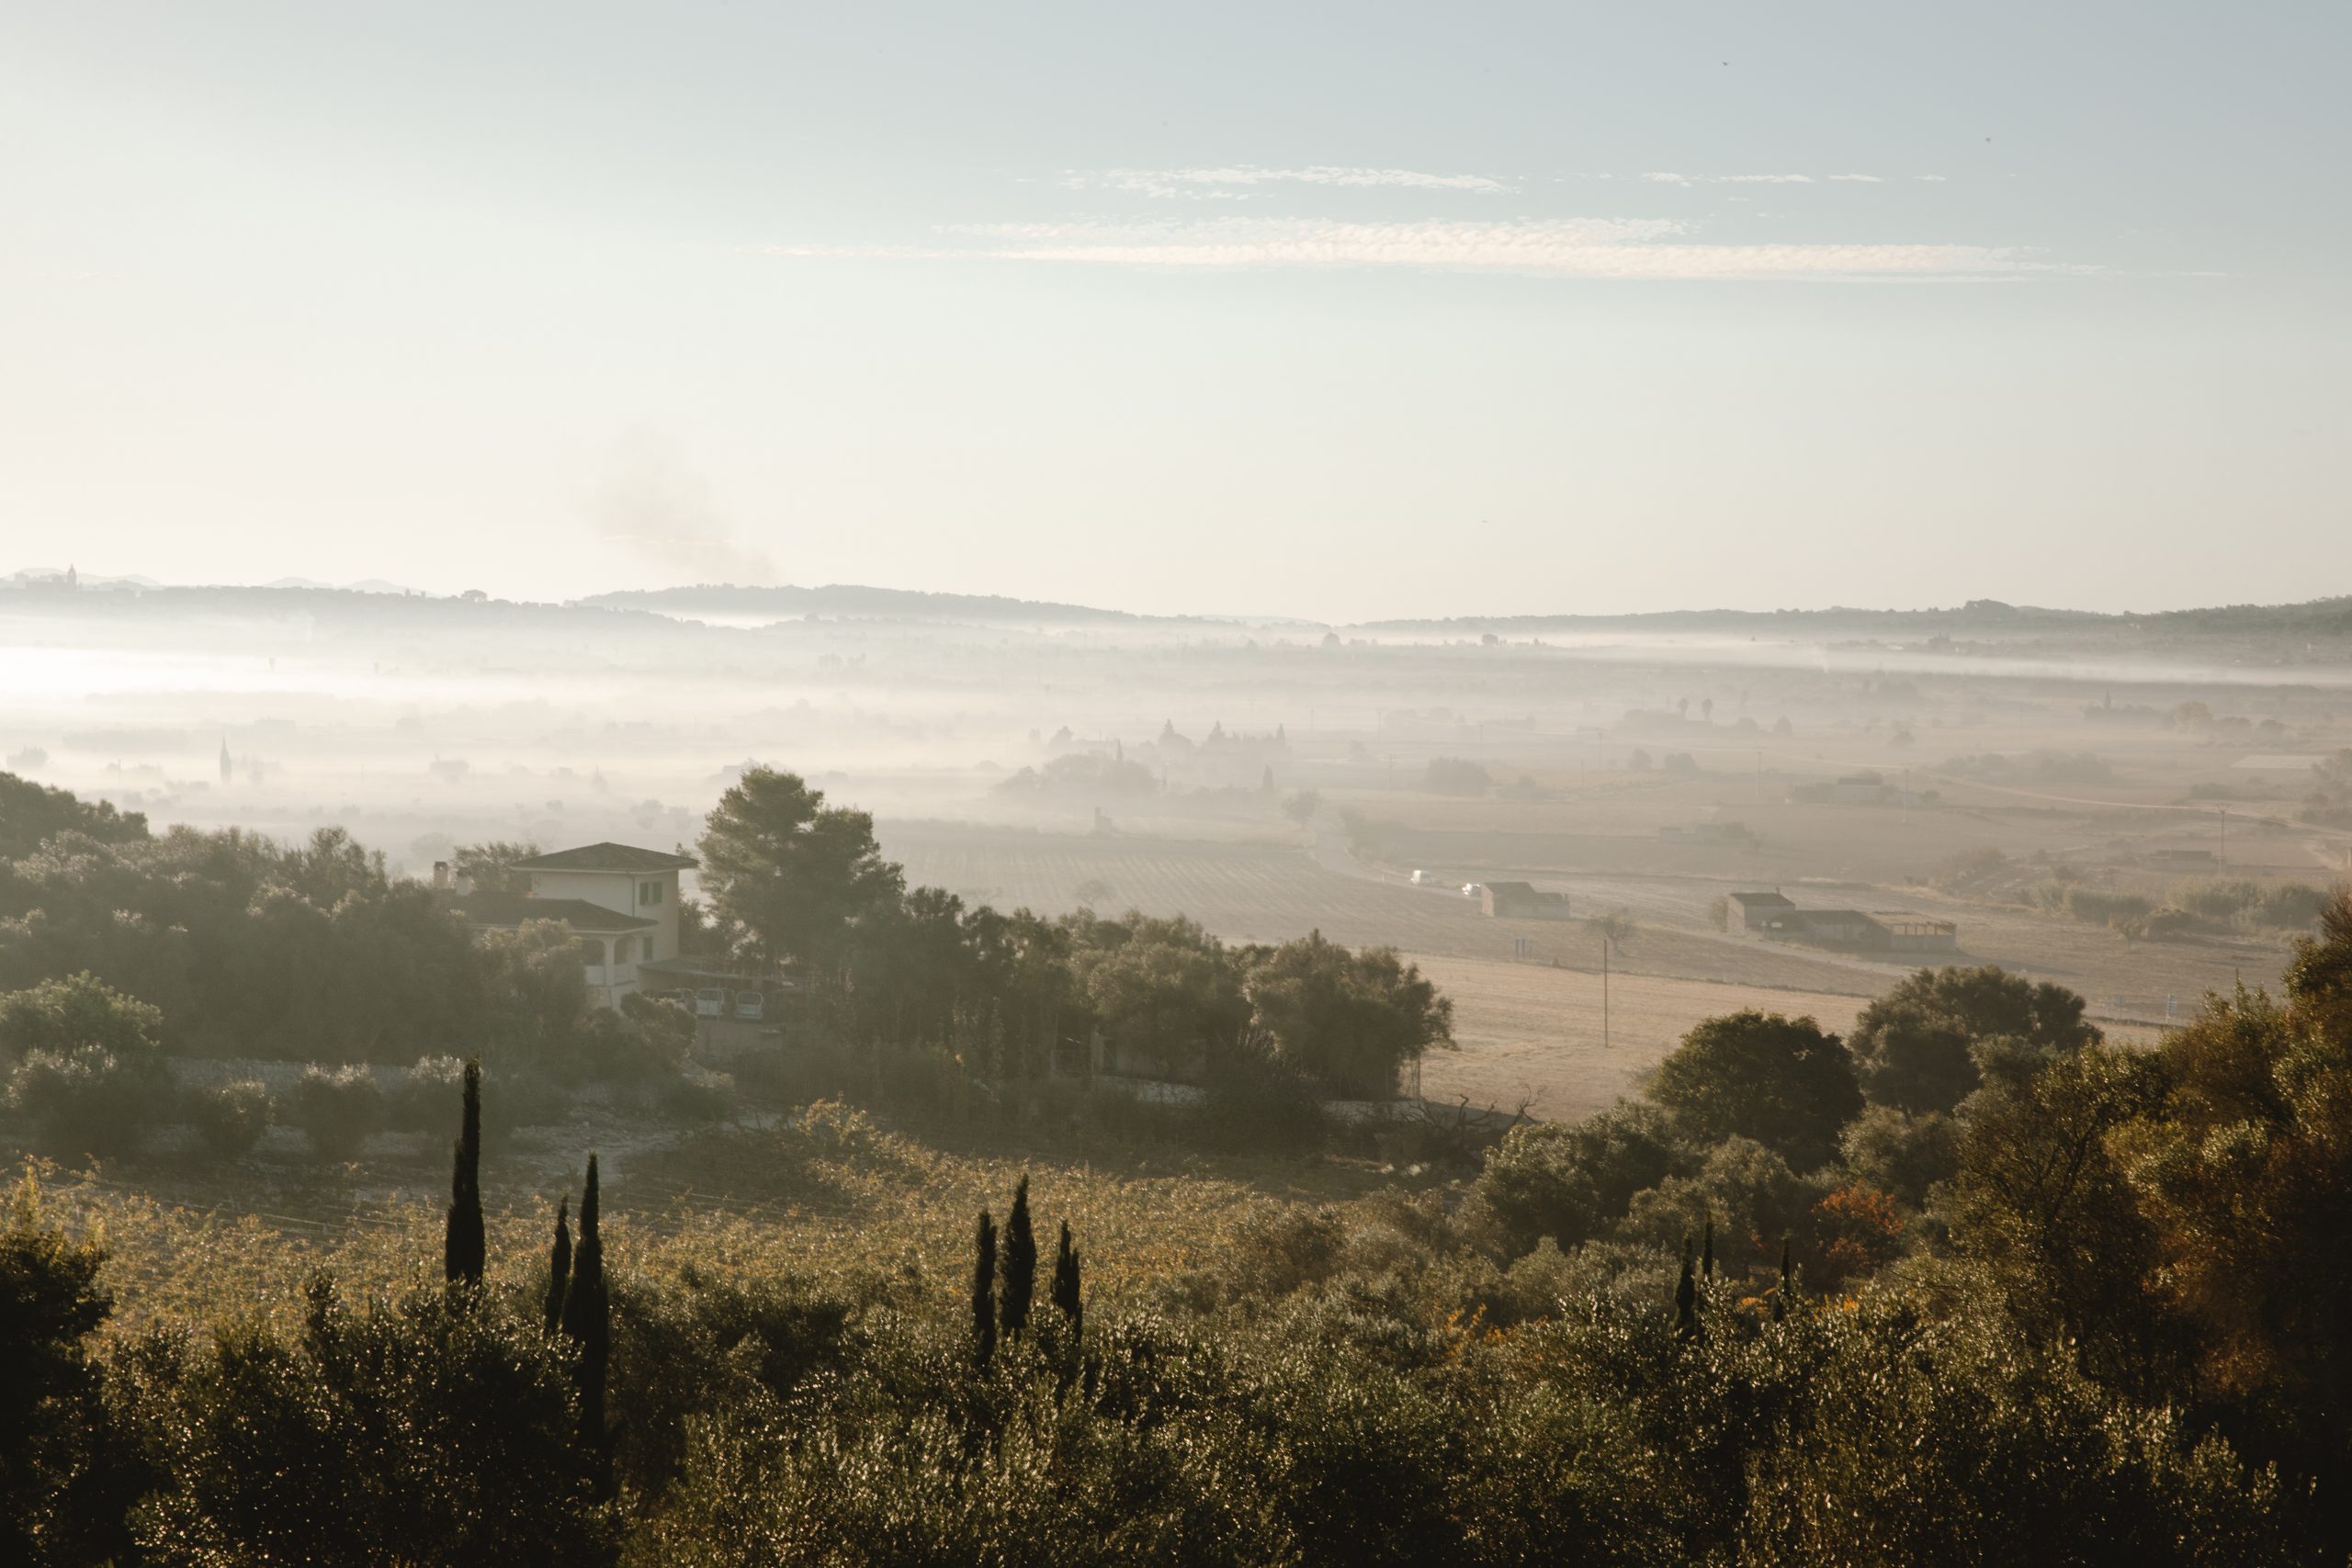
{"points": [[419, 723]]}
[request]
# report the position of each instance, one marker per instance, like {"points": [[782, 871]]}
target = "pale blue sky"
{"points": [[1337, 310]]}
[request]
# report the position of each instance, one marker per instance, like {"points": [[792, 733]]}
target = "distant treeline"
{"points": [[313, 952]]}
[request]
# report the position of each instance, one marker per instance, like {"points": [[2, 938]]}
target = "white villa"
{"points": [[620, 901]]}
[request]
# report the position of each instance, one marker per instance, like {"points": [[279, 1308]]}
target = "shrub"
{"points": [[641, 1044], [337, 1108], [1455, 775], [2089, 904], [665, 1029], [2159, 925], [2293, 904], [82, 1010], [1968, 870], [1258, 1101], [699, 1097], [2214, 901], [230, 1118], [1571, 1181], [426, 1098], [87, 1100]]}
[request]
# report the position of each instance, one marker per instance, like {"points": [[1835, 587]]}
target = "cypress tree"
{"points": [[1788, 1282], [461, 1245], [983, 1294], [1686, 1298], [1065, 1296], [1020, 1265], [560, 1264], [1707, 1266], [588, 1323]]}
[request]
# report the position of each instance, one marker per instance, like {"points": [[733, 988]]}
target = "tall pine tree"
{"points": [[588, 1323], [461, 1245], [1065, 1288], [1020, 1265], [984, 1292], [1707, 1253], [560, 1264]]}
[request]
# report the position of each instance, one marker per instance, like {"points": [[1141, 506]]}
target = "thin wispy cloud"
{"points": [[1667, 177], [1585, 248], [1238, 182]]}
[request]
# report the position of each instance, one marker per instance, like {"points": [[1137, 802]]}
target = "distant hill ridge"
{"points": [[851, 599], [2311, 619], [2316, 617]]}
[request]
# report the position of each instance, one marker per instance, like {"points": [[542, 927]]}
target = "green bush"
{"points": [[1258, 1101], [2293, 904], [698, 1097], [230, 1118], [428, 1097], [62, 1015], [2214, 899], [338, 1109], [1571, 1181], [87, 1100]]}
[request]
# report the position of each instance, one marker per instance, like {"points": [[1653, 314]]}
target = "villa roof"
{"points": [[514, 908], [608, 857]]}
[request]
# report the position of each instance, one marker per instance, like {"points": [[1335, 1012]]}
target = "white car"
{"points": [[1422, 879], [710, 1002], [751, 1005], [1472, 889]]}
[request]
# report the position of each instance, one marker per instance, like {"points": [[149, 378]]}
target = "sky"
{"points": [[1343, 311]]}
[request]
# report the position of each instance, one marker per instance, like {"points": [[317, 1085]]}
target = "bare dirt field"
{"points": [[1262, 893], [1273, 893], [1528, 1032], [1533, 1026]]}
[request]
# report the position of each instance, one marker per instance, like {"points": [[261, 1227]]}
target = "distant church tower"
{"points": [[224, 760]]}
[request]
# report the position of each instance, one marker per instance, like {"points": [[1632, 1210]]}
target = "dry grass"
{"points": [[1525, 1030]]}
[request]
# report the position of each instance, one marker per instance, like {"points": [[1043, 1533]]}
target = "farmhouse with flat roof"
{"points": [[1881, 931], [1521, 901], [1761, 911]]}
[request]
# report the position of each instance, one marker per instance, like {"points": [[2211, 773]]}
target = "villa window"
{"points": [[649, 893]]}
